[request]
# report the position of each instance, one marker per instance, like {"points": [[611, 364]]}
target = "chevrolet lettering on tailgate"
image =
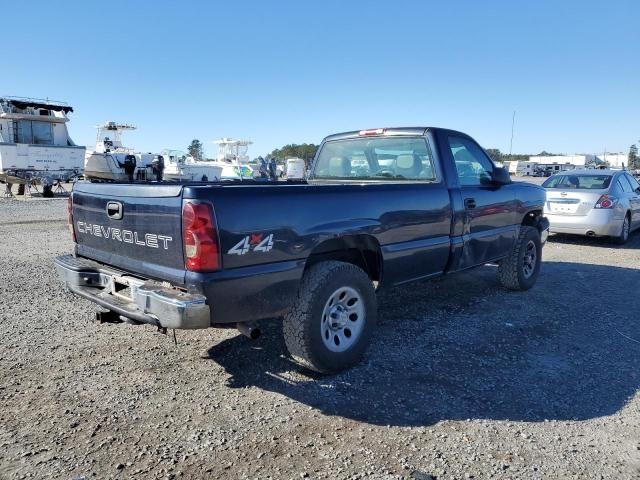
{"points": [[127, 236]]}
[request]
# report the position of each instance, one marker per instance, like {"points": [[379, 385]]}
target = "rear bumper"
{"points": [[598, 222], [144, 301]]}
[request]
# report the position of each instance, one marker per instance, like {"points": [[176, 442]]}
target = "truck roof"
{"points": [[386, 131]]}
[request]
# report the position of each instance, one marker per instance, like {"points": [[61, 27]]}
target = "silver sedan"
{"points": [[593, 203]]}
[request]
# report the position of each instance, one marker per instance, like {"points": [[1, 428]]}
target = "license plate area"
{"points": [[124, 287], [563, 206]]}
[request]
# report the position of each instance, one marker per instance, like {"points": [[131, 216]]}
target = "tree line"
{"points": [[633, 162], [306, 151], [497, 156]]}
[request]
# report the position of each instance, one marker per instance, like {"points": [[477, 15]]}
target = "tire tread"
{"points": [[509, 268], [295, 321]]}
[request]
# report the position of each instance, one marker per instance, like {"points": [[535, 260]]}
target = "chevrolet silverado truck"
{"points": [[380, 208]]}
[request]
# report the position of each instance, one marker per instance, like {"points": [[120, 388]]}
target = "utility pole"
{"points": [[513, 122]]}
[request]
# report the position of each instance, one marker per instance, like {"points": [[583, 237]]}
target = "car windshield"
{"points": [[390, 158], [580, 182]]}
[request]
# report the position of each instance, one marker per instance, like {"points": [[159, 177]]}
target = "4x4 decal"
{"points": [[257, 242]]}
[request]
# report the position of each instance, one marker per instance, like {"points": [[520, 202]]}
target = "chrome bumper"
{"points": [[141, 300]]}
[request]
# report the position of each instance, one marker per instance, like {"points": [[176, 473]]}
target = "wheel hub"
{"points": [[343, 318], [529, 260], [337, 317]]}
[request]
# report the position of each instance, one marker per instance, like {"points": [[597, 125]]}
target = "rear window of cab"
{"points": [[393, 159]]}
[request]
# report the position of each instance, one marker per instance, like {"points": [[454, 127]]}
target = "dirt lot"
{"points": [[463, 380]]}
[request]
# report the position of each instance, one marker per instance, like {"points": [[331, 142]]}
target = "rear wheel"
{"points": [[625, 231], [520, 270], [329, 327]]}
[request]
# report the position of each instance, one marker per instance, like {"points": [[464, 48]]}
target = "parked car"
{"points": [[203, 255], [593, 203]]}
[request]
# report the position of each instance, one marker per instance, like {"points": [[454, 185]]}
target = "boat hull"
{"points": [[106, 167], [192, 173], [24, 163]]}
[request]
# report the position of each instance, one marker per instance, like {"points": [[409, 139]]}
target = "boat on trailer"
{"points": [[35, 146], [111, 161], [181, 167], [231, 163]]}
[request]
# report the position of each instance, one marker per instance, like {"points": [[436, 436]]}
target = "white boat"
{"points": [[35, 146], [111, 161], [232, 157], [181, 167]]}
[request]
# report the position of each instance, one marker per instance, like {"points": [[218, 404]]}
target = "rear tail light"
{"points": [[606, 201], [200, 237], [70, 217]]}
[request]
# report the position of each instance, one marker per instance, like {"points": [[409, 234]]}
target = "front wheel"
{"points": [[330, 325], [520, 269]]}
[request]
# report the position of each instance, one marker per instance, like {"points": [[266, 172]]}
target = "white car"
{"points": [[594, 203]]}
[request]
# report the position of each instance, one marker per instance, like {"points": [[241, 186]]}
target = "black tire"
{"points": [[625, 231], [303, 325], [519, 271]]}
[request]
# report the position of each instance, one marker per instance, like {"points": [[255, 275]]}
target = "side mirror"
{"points": [[500, 176]]}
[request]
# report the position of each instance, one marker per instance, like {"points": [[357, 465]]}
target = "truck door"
{"points": [[489, 228]]}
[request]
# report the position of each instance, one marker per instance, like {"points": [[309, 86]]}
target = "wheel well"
{"points": [[360, 250], [531, 218]]}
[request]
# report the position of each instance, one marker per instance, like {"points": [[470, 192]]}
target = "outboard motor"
{"points": [[263, 169], [129, 166], [157, 165], [273, 170]]}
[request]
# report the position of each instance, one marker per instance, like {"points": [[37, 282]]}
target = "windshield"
{"points": [[390, 158], [580, 182]]}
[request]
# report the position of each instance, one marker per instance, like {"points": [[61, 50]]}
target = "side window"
{"points": [[473, 166], [624, 184], [634, 183]]}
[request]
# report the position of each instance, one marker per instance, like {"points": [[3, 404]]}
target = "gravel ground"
{"points": [[463, 380]]}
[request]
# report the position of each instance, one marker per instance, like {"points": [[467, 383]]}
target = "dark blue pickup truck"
{"points": [[380, 208]]}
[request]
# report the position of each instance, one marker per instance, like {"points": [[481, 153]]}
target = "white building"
{"points": [[574, 160], [615, 160]]}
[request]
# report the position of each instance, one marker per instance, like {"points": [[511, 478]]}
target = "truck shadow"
{"points": [[464, 348]]}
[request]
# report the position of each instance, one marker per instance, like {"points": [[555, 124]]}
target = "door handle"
{"points": [[469, 203]]}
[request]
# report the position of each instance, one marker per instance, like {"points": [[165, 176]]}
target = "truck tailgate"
{"points": [[137, 228]]}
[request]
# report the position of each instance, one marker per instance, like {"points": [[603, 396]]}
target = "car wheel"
{"points": [[625, 231], [520, 269], [330, 325]]}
